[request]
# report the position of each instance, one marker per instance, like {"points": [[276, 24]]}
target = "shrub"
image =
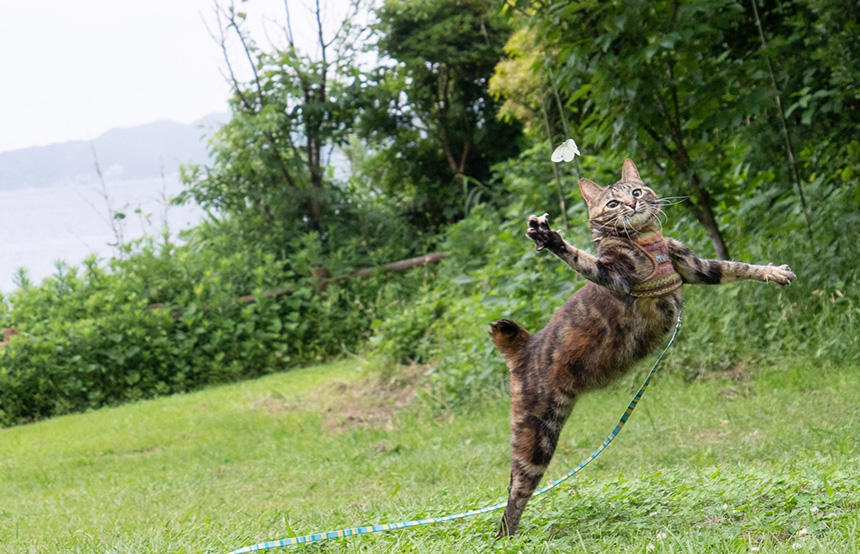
{"points": [[167, 319]]}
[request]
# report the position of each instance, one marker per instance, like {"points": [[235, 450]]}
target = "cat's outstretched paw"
{"points": [[781, 275], [543, 236]]}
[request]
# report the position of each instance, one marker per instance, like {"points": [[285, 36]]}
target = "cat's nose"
{"points": [[632, 204]]}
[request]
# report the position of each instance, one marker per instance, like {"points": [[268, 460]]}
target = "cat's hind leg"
{"points": [[534, 436]]}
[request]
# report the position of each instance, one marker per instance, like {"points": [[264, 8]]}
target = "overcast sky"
{"points": [[72, 69]]}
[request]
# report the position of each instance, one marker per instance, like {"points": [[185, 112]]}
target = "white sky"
{"points": [[72, 69]]}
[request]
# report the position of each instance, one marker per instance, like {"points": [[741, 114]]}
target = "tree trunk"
{"points": [[312, 126], [703, 212], [314, 203], [705, 216]]}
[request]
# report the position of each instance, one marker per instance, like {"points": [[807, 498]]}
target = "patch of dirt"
{"points": [[743, 390], [740, 373], [372, 403], [137, 451], [272, 406], [715, 519], [380, 447], [364, 403], [275, 404]]}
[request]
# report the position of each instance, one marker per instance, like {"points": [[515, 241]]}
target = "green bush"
{"points": [[165, 319]]}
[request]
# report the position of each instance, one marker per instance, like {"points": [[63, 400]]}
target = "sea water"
{"points": [[39, 226]]}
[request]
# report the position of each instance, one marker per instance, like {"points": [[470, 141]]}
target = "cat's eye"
{"points": [[612, 204], [637, 193]]}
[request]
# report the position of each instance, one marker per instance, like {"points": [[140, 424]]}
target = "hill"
{"points": [[123, 154]]}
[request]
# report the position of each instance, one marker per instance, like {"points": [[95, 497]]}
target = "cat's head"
{"points": [[628, 207]]}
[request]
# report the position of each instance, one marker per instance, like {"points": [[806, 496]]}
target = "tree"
{"points": [[692, 89], [658, 80], [428, 111], [268, 160]]}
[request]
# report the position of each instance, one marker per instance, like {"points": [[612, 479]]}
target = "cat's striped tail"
{"points": [[509, 338]]}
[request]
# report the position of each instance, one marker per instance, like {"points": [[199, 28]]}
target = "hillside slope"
{"points": [[766, 460]]}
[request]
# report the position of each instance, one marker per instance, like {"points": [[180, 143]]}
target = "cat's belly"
{"points": [[596, 336]]}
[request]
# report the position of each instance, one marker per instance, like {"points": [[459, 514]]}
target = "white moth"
{"points": [[566, 151]]}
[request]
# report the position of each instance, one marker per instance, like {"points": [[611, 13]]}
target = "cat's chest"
{"points": [[655, 306], [656, 314]]}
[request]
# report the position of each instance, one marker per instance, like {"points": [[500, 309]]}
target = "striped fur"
{"points": [[602, 329]]}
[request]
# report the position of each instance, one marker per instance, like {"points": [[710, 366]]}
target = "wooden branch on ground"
{"points": [[274, 293], [402, 265]]}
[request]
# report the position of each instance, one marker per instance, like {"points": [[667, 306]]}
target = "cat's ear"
{"points": [[590, 190], [629, 173]]}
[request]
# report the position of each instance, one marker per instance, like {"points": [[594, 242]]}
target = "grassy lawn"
{"points": [[765, 460]]}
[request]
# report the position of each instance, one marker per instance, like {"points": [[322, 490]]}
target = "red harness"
{"points": [[664, 279]]}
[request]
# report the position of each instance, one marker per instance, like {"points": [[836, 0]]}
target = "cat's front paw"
{"points": [[781, 275], [543, 236]]}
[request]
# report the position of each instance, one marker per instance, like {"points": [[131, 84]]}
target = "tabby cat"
{"points": [[627, 308]]}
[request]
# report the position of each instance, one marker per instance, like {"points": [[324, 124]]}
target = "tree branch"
{"points": [[288, 29], [795, 175], [231, 18], [222, 42], [320, 36], [674, 90], [221, 39], [659, 140]]}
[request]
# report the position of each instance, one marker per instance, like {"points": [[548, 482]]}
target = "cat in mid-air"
{"points": [[631, 302]]}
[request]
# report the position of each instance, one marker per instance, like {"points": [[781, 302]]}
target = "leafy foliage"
{"points": [[428, 112], [746, 109], [688, 90], [171, 319]]}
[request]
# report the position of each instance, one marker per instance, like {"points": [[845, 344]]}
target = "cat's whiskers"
{"points": [[657, 213], [625, 220], [615, 226], [671, 200], [601, 225]]}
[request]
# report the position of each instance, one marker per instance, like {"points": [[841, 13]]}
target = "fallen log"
{"points": [[274, 293], [402, 265]]}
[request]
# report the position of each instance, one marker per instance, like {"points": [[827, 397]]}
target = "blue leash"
{"points": [[316, 537]]}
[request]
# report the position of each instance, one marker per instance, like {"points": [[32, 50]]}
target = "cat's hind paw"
{"points": [[543, 236], [781, 275]]}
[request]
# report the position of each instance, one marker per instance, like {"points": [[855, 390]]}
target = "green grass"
{"points": [[770, 462]]}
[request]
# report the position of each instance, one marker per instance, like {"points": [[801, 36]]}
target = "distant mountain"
{"points": [[130, 153]]}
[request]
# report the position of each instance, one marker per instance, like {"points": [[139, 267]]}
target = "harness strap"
{"points": [[663, 279]]}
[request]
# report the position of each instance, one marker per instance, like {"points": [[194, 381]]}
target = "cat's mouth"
{"points": [[638, 217]]}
